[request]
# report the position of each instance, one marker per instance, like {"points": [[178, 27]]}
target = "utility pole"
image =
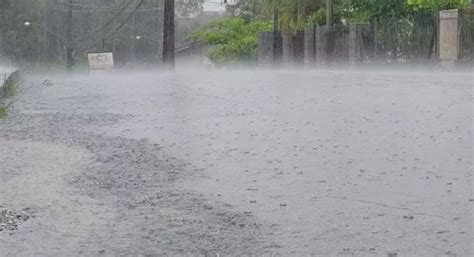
{"points": [[168, 35], [69, 37]]}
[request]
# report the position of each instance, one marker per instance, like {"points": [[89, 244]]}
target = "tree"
{"points": [[438, 4], [406, 27], [385, 10], [234, 40], [292, 14]]}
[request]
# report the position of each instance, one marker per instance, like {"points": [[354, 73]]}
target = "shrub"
{"points": [[234, 40]]}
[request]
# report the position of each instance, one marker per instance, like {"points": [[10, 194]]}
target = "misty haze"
{"points": [[236, 128]]}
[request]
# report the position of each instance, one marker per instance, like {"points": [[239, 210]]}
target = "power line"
{"points": [[107, 23], [123, 23], [126, 20]]}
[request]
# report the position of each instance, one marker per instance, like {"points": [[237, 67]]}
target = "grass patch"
{"points": [[3, 111], [8, 90]]}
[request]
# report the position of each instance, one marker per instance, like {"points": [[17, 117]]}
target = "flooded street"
{"points": [[243, 163]]}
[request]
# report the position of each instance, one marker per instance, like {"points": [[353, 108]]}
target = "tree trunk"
{"points": [[168, 35], [329, 13]]}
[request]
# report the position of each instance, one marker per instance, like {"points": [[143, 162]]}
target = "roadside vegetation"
{"points": [[408, 27], [234, 40], [32, 33], [3, 111], [8, 90]]}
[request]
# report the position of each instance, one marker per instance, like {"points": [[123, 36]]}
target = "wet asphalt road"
{"points": [[311, 163]]}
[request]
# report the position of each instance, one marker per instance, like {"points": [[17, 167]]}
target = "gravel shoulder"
{"points": [[88, 194]]}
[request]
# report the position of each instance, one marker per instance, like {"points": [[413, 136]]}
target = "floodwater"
{"points": [[328, 163]]}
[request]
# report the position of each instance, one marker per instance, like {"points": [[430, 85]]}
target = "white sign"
{"points": [[100, 61]]}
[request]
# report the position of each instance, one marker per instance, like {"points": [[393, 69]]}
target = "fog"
{"points": [[251, 128]]}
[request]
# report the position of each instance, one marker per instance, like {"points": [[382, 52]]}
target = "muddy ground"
{"points": [[239, 164]]}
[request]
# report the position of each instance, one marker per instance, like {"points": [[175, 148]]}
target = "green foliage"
{"points": [[379, 10], [407, 28], [11, 85], [296, 14], [293, 14], [318, 18], [233, 39], [343, 13], [8, 90], [386, 10], [3, 111], [438, 4]]}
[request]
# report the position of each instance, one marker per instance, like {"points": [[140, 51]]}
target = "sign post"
{"points": [[100, 61]]}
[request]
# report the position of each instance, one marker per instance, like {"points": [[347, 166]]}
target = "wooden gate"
{"points": [[449, 37]]}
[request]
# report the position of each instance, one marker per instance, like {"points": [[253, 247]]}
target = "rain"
{"points": [[236, 128]]}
